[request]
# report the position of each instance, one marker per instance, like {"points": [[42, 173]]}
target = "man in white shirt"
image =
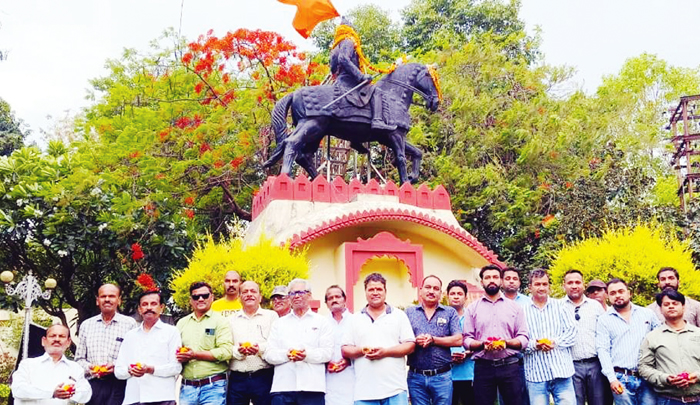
{"points": [[340, 374], [299, 346], [378, 341], [51, 379], [251, 376], [147, 359]]}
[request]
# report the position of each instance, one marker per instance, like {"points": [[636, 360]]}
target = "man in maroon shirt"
{"points": [[496, 331]]}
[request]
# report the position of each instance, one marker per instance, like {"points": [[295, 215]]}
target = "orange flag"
{"points": [[310, 13]]}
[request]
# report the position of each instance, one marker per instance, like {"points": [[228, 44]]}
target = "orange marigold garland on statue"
{"points": [[344, 32], [436, 80]]}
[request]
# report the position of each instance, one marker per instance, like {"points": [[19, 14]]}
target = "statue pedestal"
{"points": [[351, 230]]}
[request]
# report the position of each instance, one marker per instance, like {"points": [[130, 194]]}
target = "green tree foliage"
{"points": [[61, 219], [170, 150], [11, 134], [381, 36], [445, 24], [264, 263], [633, 254], [530, 166]]}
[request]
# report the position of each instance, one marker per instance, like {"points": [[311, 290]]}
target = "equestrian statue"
{"points": [[353, 108]]}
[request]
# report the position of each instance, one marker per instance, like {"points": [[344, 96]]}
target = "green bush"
{"points": [[4, 394], [265, 263], [633, 254]]}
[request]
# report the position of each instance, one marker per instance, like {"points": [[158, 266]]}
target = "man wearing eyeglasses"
{"points": [[207, 348], [299, 346], [589, 382]]}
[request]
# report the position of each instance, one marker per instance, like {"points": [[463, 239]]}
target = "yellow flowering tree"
{"points": [[634, 254], [265, 263]]}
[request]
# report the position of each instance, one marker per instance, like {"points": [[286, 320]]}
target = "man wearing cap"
{"points": [[229, 303], [251, 376], [589, 383], [668, 278], [598, 291], [51, 378], [207, 342], [280, 301], [670, 354]]}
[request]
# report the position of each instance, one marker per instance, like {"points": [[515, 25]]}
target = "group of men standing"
{"points": [[503, 345]]}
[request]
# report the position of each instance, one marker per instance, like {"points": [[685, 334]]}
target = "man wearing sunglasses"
{"points": [[299, 346], [589, 382], [207, 345]]}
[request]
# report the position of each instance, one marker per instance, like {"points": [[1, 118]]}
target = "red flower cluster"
{"points": [[189, 200], [137, 253], [189, 213], [146, 282]]}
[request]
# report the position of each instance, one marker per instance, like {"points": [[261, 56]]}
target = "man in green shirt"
{"points": [[670, 355], [207, 346]]}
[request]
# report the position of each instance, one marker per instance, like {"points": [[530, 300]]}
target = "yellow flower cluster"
{"points": [[436, 80]]}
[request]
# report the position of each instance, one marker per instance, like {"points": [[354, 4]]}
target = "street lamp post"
{"points": [[29, 290]]}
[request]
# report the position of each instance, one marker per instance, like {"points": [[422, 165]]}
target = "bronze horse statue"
{"points": [[318, 111]]}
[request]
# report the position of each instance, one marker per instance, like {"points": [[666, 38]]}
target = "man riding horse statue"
{"points": [[353, 109]]}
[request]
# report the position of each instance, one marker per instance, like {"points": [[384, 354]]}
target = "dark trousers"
{"points": [[155, 403], [506, 379], [246, 387], [298, 398], [107, 390], [463, 392], [589, 383]]}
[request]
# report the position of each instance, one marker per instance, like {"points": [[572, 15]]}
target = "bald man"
{"points": [[101, 338], [229, 303], [51, 378]]}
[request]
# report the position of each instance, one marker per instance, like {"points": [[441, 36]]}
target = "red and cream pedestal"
{"points": [[351, 230]]}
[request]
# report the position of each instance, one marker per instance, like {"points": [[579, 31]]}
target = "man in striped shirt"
{"points": [[619, 335], [548, 364], [589, 382]]}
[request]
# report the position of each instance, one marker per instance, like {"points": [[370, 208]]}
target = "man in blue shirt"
{"points": [[462, 364], [437, 329], [619, 336]]}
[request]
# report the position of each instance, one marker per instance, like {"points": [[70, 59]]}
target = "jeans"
{"points": [[399, 399], [246, 387], [562, 390], [637, 391], [668, 401], [507, 379], [463, 392], [210, 394], [433, 390], [589, 383], [298, 398]]}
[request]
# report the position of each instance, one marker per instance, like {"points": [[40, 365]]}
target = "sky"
{"points": [[55, 47]]}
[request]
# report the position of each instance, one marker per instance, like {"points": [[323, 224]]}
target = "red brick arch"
{"points": [[382, 244]]}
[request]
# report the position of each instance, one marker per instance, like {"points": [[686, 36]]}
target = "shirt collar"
{"points": [[45, 357], [486, 298], [115, 318], [438, 308], [583, 302], [241, 313], [387, 309], [156, 325], [206, 314], [308, 312], [666, 328]]}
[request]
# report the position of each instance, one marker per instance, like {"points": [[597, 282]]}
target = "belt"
{"points": [[588, 360], [626, 371], [430, 373], [685, 400], [266, 370], [500, 362], [205, 381]]}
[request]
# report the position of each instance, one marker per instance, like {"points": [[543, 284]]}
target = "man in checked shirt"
{"points": [[100, 339]]}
